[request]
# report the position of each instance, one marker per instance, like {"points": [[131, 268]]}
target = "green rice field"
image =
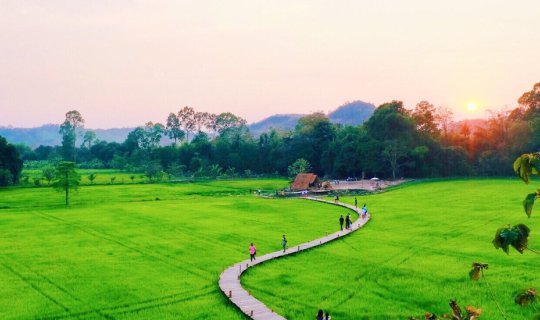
{"points": [[414, 256], [118, 253], [155, 251]]}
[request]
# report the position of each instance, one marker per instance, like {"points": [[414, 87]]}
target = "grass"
{"points": [[117, 253], [412, 257], [103, 176]]}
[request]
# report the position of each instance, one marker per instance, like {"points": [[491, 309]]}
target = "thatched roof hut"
{"points": [[305, 181]]}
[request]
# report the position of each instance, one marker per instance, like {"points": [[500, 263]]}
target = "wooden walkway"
{"points": [[229, 280]]}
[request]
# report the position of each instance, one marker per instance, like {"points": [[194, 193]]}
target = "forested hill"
{"points": [[351, 113], [281, 122], [48, 135]]}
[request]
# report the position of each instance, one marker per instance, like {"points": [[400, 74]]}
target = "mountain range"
{"points": [[350, 113]]}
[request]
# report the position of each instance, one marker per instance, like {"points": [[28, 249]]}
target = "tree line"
{"points": [[394, 142]]}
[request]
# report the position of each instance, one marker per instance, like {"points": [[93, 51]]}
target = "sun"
{"points": [[472, 106]]}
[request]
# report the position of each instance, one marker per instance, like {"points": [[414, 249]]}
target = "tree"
{"points": [[299, 166], [391, 121], [186, 115], [312, 137], [228, 120], [89, 138], [173, 128], [214, 170], [67, 178], [137, 139], [201, 120], [48, 174], [425, 117], [68, 130], [10, 163], [153, 132], [394, 153], [444, 120], [154, 170], [530, 100], [210, 123], [92, 177]]}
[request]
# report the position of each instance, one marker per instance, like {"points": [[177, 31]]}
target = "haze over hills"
{"points": [[48, 135], [350, 113]]}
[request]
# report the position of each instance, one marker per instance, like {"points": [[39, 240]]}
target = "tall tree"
{"points": [[444, 120], [425, 117], [394, 153], [67, 178], [210, 123], [201, 120], [173, 128], [89, 138], [530, 100], [227, 120], [68, 130], [186, 115], [391, 121], [10, 163], [154, 132], [311, 140]]}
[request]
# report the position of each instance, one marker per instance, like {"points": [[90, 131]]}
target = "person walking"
{"points": [[320, 315], [284, 243], [355, 202], [252, 252], [327, 316], [341, 220], [348, 221]]}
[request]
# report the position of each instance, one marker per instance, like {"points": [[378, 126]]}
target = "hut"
{"points": [[305, 181]]}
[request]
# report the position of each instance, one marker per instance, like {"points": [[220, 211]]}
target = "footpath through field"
{"points": [[229, 280]]}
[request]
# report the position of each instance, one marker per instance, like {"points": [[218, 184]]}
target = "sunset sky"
{"points": [[123, 63]]}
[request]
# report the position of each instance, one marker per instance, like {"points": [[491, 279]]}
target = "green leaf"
{"points": [[516, 236], [529, 202], [521, 167], [527, 164]]}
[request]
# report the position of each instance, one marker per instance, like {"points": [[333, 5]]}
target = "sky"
{"points": [[125, 62]]}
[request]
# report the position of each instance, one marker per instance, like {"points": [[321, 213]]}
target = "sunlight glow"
{"points": [[472, 106]]}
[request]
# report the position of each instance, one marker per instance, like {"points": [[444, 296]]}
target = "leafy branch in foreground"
{"points": [[526, 165], [516, 236], [471, 313], [526, 297], [477, 272]]}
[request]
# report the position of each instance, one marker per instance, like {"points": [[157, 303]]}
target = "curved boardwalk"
{"points": [[229, 280]]}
